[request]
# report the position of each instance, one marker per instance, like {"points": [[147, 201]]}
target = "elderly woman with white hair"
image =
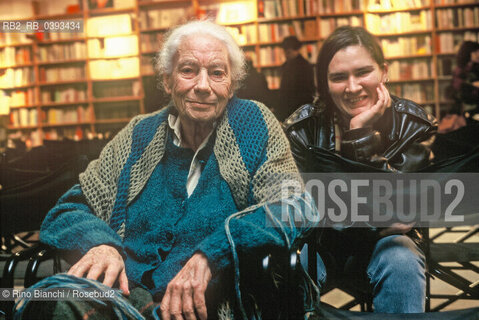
{"points": [[179, 195]]}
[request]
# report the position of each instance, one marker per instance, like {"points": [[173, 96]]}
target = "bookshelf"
{"points": [[81, 85], [419, 38]]}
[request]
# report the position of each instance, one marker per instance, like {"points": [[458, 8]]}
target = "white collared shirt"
{"points": [[195, 166]]}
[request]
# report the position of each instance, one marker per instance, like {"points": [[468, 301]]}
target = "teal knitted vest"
{"points": [[164, 226]]}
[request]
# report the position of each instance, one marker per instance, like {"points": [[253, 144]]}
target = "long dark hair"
{"points": [[341, 38], [464, 54]]}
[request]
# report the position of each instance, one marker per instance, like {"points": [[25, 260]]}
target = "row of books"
{"points": [[274, 55], [327, 25], [399, 22], [108, 26], [63, 94], [9, 38], [58, 52], [114, 68], [271, 55], [402, 46], [112, 47], [32, 138], [244, 34], [334, 6], [66, 115], [12, 56], [147, 65], [17, 77], [163, 18], [418, 92], [251, 54], [50, 74], [271, 32], [29, 116], [54, 36], [116, 89], [72, 133], [271, 9], [457, 18], [455, 1], [151, 42], [117, 110], [274, 32], [445, 91], [449, 42], [273, 77], [24, 117], [446, 65], [410, 70], [396, 4], [19, 98], [310, 52]]}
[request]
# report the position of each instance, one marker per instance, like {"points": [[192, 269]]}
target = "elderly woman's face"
{"points": [[353, 76], [200, 83]]}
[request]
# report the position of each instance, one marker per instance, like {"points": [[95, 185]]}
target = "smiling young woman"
{"points": [[357, 126], [355, 81]]}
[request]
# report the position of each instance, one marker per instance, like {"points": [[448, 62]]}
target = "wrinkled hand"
{"points": [[100, 260], [396, 228], [368, 117], [185, 293]]}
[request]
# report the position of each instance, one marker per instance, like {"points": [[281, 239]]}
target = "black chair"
{"points": [[437, 254], [281, 285], [31, 183], [273, 287], [459, 252]]}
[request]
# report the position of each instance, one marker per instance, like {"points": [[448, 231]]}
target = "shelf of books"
{"points": [[83, 84]]}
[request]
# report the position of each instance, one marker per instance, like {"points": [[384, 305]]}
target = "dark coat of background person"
{"points": [[297, 85], [464, 92], [255, 86]]}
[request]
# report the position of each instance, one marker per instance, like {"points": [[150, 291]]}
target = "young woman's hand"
{"points": [[368, 117]]}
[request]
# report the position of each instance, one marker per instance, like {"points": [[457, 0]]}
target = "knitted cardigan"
{"points": [[252, 151], [253, 158]]}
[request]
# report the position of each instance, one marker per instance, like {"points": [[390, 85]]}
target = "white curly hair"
{"points": [[164, 58]]}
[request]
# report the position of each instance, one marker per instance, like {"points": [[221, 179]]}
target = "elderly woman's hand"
{"points": [[100, 260], [185, 294], [368, 117]]}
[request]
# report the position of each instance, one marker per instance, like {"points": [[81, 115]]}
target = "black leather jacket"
{"points": [[400, 141]]}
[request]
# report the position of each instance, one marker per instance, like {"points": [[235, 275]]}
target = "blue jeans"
{"points": [[396, 272]]}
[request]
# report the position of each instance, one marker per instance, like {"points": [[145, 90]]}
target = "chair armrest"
{"points": [[12, 262], [46, 253], [279, 288]]}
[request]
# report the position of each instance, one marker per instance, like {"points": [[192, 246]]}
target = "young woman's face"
{"points": [[353, 76]]}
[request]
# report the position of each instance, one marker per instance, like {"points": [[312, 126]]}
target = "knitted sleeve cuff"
{"points": [[71, 225]]}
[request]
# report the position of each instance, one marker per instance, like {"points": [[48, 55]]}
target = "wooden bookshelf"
{"points": [[421, 74], [329, 14]]}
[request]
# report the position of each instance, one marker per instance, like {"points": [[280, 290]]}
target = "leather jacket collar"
{"points": [[403, 136]]}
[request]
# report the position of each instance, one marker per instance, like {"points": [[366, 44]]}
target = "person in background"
{"points": [[162, 211], [254, 85], [465, 79], [297, 80], [357, 126]]}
